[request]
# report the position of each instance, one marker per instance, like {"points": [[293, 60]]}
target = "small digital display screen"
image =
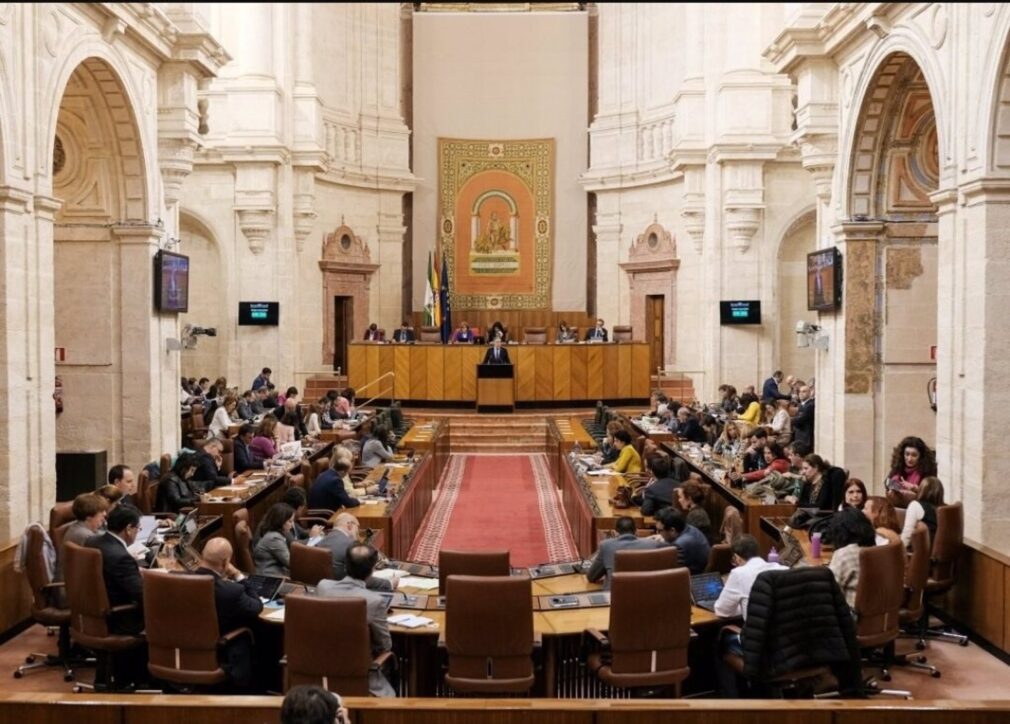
{"points": [[740, 312], [259, 313]]}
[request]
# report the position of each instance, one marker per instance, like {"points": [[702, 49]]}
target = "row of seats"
{"points": [[531, 335]]}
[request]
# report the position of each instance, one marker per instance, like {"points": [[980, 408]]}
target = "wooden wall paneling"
{"points": [[470, 712], [595, 382], [641, 374], [15, 594], [562, 359], [624, 371], [1006, 608], [579, 373], [771, 714], [978, 603], [372, 368], [357, 366], [401, 366], [545, 372], [956, 712], [55, 712], [436, 361], [219, 713], [387, 364], [611, 371], [525, 366], [419, 372], [468, 373], [452, 385]]}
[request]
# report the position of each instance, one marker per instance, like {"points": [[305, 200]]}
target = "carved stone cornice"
{"points": [[819, 153], [256, 226], [645, 266], [848, 231], [175, 160], [15, 200], [742, 222]]}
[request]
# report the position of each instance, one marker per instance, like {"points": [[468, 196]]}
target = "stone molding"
{"points": [[256, 225]]}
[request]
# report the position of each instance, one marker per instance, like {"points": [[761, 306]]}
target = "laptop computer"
{"points": [[383, 483], [705, 590], [264, 586]]}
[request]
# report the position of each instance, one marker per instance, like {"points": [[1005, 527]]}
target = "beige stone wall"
{"points": [[791, 298]]}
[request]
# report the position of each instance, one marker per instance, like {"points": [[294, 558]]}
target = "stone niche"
{"points": [[652, 270], [347, 272]]}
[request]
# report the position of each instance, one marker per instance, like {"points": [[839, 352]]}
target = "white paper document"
{"points": [[407, 620], [425, 584]]}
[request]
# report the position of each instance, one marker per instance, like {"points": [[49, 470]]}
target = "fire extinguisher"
{"points": [[58, 394], [931, 393]]}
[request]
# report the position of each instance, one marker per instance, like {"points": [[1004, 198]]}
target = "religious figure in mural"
{"points": [[496, 236]]}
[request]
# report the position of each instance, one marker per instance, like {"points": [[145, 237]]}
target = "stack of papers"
{"points": [[425, 584], [410, 621], [277, 615]]}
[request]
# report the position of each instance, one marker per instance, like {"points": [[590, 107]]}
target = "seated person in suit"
{"points": [[376, 449], [597, 333], [296, 497], [271, 554], [236, 608], [661, 489], [372, 334], [208, 466], [565, 333], [361, 560], [497, 331], [328, 490], [691, 500], [602, 566], [177, 491], [338, 540], [123, 478], [692, 544], [628, 459], [90, 511], [120, 571], [687, 426], [496, 354], [463, 334], [404, 333]]}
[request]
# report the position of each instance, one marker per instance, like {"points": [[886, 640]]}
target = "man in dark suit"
{"points": [[497, 355], [119, 568], [770, 389], [208, 474], [338, 541], [603, 564], [122, 477], [404, 333], [803, 423], [372, 334], [597, 333], [660, 492], [235, 606], [244, 459]]}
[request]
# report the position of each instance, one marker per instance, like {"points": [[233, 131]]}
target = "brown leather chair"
{"points": [[58, 535], [656, 559], [46, 608], [943, 568], [227, 455], [317, 468], [879, 594], [90, 613], [430, 334], [310, 565], [622, 333], [720, 559], [471, 563], [653, 656], [489, 635], [242, 514], [198, 427], [327, 643], [59, 514], [184, 648], [165, 463], [243, 548], [535, 335], [914, 605], [144, 502]]}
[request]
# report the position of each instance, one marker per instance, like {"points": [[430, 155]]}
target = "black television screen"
{"points": [[824, 280], [171, 282], [740, 312], [259, 313]]}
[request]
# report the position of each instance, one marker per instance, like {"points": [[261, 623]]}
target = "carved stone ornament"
{"points": [[655, 241], [175, 160], [304, 218], [343, 245], [694, 225], [256, 225], [741, 225]]}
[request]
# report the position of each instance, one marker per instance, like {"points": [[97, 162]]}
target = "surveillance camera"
{"points": [[801, 327], [193, 331]]}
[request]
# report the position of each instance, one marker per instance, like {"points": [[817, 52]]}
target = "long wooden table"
{"points": [[578, 372]]}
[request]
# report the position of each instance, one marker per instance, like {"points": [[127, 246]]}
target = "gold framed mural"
{"points": [[496, 221]]}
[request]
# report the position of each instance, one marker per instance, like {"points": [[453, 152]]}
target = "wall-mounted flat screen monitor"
{"points": [[746, 311], [171, 282], [824, 280], [259, 313]]}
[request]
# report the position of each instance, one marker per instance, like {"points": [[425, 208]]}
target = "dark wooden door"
{"points": [[343, 330], [654, 329]]}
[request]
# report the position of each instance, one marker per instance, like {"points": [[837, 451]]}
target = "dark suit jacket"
{"points": [[371, 336], [174, 494], [207, 472], [690, 430], [244, 459], [803, 424], [770, 391], [489, 358], [236, 607], [328, 492], [337, 543], [403, 335], [593, 334], [122, 582], [658, 495]]}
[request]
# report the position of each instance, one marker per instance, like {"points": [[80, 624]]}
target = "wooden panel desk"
{"points": [[545, 372]]}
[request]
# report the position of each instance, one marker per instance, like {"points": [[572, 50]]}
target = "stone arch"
{"points": [[993, 124], [210, 304], [797, 239]]}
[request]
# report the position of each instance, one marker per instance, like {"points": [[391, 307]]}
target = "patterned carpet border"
{"points": [[560, 543], [429, 539]]}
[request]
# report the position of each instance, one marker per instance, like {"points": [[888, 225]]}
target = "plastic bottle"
{"points": [[815, 545], [773, 555]]}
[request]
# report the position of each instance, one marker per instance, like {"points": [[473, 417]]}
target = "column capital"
{"points": [[985, 191], [848, 231], [15, 199]]}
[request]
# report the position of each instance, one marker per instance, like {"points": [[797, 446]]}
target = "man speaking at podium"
{"points": [[496, 355]]}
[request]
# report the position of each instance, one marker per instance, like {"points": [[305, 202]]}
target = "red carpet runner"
{"points": [[497, 502]]}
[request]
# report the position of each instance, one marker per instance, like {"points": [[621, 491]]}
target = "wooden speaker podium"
{"points": [[495, 389]]}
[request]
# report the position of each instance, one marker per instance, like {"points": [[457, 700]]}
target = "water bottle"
{"points": [[773, 555], [815, 545], [577, 451]]}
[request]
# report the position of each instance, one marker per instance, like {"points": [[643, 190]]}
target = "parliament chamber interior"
{"points": [[504, 362]]}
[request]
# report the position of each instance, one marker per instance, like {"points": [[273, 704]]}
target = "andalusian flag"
{"points": [[436, 306], [429, 298]]}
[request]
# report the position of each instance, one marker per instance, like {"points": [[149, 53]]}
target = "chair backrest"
{"points": [[622, 333], [86, 595], [197, 413], [327, 643], [243, 548], [720, 559], [182, 647], [310, 565], [656, 559], [471, 563], [242, 514], [227, 455], [317, 468], [489, 634], [430, 334], [36, 570], [946, 546], [664, 599], [879, 593], [58, 535], [535, 335], [916, 574], [143, 491], [165, 463], [59, 514]]}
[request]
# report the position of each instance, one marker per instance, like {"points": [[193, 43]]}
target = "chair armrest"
{"points": [[379, 661], [51, 586], [232, 635], [123, 608], [187, 510], [733, 628], [598, 637], [310, 521], [319, 513]]}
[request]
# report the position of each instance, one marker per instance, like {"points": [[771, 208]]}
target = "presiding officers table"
{"points": [[580, 372]]}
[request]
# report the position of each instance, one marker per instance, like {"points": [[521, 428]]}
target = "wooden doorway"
{"points": [[343, 331], [654, 324]]}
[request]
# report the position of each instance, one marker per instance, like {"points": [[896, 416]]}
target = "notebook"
{"points": [[705, 590]]}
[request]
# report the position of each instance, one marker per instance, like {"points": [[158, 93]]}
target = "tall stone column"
{"points": [[387, 297], [608, 230]]}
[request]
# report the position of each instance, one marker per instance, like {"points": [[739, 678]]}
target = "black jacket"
{"points": [[658, 495], [123, 583], [174, 493], [798, 619], [236, 607], [803, 424], [489, 358], [244, 460], [207, 472]]}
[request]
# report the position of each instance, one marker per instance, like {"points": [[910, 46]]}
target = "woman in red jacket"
{"points": [[775, 461]]}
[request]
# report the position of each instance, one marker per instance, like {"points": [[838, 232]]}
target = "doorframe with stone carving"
{"points": [[652, 270], [347, 270]]}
